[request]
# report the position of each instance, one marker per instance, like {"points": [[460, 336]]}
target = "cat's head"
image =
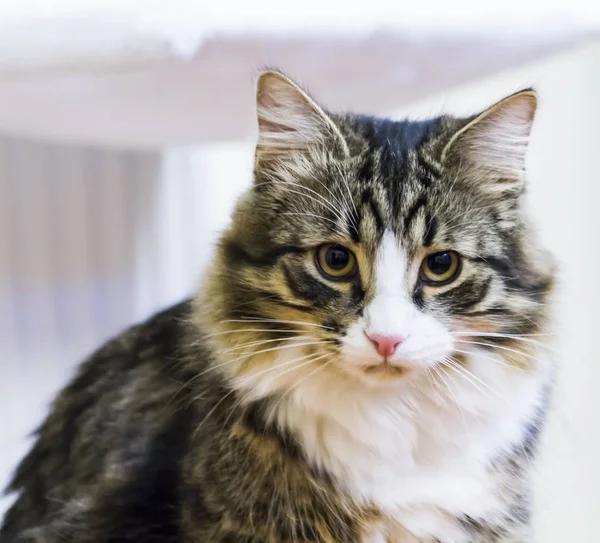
{"points": [[377, 249]]}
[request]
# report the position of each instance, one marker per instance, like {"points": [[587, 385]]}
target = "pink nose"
{"points": [[386, 345]]}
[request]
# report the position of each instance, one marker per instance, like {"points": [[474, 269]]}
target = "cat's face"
{"points": [[381, 249]]}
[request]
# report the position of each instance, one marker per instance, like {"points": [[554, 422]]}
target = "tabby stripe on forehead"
{"points": [[431, 166], [352, 222], [236, 253], [466, 295], [423, 176], [367, 199], [430, 230], [365, 171], [412, 212], [305, 286]]}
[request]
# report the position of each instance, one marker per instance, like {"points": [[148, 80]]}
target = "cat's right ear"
{"points": [[290, 121]]}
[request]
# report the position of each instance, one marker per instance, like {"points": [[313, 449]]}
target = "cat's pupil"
{"points": [[337, 257], [439, 263]]}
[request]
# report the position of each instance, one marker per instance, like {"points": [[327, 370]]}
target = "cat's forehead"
{"points": [[391, 180], [398, 180], [393, 156]]}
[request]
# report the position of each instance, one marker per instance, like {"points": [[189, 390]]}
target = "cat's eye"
{"points": [[440, 268], [336, 262]]}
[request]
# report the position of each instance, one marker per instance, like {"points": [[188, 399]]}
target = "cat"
{"points": [[364, 361]]}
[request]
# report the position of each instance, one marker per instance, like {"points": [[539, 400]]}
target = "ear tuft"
{"points": [[288, 119], [495, 142]]}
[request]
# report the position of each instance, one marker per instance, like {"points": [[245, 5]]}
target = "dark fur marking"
{"points": [[429, 165], [236, 253], [482, 531], [494, 310], [466, 295], [430, 232], [305, 286], [423, 176], [353, 220], [335, 326], [256, 419], [412, 212], [272, 297], [358, 293], [368, 199], [508, 268], [366, 169], [418, 297], [152, 494]]}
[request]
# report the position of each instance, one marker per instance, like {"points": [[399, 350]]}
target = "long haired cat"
{"points": [[364, 362]]}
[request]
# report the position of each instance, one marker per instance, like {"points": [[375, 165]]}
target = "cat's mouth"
{"points": [[385, 369]]}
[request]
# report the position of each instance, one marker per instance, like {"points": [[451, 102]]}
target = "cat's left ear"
{"points": [[290, 121], [492, 147]]}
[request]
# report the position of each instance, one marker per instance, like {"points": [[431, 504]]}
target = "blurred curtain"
{"points": [[92, 240]]}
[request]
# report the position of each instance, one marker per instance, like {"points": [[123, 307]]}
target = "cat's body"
{"points": [[261, 412]]}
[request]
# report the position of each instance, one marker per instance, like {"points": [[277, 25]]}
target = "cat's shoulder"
{"points": [[111, 417]]}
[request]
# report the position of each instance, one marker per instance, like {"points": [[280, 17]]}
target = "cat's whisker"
{"points": [[297, 384], [471, 377], [442, 368], [500, 347], [341, 200], [471, 332], [498, 334], [306, 360], [247, 379], [438, 374], [266, 341], [248, 330], [453, 366], [438, 371], [279, 348], [214, 367], [343, 177], [433, 383], [409, 401], [313, 215], [493, 359], [254, 300], [280, 321], [443, 371], [323, 202], [211, 411], [301, 366], [320, 198], [522, 338]]}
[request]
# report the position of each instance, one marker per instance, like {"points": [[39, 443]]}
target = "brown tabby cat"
{"points": [[361, 365]]}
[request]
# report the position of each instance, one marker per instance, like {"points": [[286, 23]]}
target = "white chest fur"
{"points": [[418, 451]]}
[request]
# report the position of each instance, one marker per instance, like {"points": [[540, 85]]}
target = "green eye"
{"points": [[336, 262], [440, 268]]}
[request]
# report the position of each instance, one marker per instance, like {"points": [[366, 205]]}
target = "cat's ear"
{"points": [[290, 120], [491, 148]]}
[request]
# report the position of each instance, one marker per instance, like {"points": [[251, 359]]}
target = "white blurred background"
{"points": [[126, 134]]}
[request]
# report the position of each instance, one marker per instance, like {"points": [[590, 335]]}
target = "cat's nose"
{"points": [[385, 345]]}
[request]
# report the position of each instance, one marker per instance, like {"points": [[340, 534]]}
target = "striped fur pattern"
{"points": [[260, 412]]}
